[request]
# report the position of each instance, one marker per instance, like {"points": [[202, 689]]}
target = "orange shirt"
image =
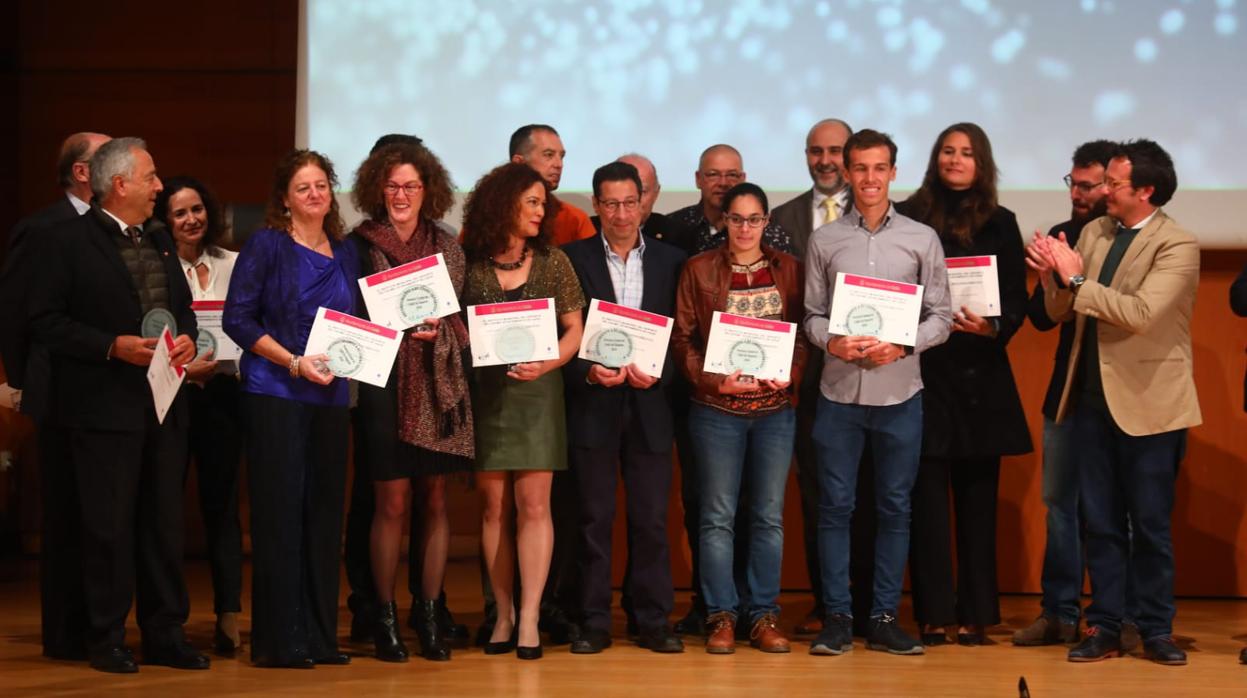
{"points": [[571, 224]]}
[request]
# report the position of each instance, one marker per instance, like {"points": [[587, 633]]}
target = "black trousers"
{"points": [[63, 605], [973, 598], [562, 591], [647, 486], [216, 446], [130, 494], [296, 465]]}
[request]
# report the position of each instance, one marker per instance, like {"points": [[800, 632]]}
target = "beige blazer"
{"points": [[1143, 325]]}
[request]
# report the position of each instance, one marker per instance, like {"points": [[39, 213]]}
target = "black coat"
{"points": [[594, 412], [971, 407], [79, 305], [26, 366]]}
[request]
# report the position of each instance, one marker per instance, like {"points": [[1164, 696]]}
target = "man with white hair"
{"points": [[99, 309]]}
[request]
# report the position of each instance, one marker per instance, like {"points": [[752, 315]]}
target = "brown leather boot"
{"points": [[766, 635], [722, 638]]}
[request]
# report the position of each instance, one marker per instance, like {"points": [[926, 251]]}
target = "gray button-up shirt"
{"points": [[902, 249]]}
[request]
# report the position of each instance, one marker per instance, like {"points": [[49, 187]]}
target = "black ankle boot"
{"points": [[390, 647], [433, 642]]}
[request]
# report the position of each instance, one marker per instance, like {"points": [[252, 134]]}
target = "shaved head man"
{"points": [[720, 168]]}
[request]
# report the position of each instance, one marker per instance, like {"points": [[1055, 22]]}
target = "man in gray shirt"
{"points": [[870, 389]]}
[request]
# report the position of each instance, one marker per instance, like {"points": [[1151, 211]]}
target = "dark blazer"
{"points": [[970, 403], [1038, 315], [80, 305], [1238, 303], [797, 217], [593, 412], [26, 366]]}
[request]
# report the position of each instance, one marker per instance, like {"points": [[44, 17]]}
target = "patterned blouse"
{"points": [[550, 276], [753, 293]]}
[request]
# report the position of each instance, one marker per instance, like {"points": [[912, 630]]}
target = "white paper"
{"points": [[753, 346], [208, 316], [616, 335], [405, 295], [513, 332], [164, 378], [974, 282], [10, 397], [867, 306], [357, 349]]}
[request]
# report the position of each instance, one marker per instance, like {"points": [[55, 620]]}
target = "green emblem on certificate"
{"points": [[155, 321], [746, 356], [863, 320], [515, 344], [612, 347], [417, 303], [346, 357], [205, 343]]}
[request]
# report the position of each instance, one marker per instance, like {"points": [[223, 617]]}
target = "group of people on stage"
{"points": [[897, 447]]}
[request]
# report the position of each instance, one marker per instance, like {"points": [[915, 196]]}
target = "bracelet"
{"points": [[294, 365]]}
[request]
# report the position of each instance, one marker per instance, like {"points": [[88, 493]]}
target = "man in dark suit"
{"points": [[827, 200], [62, 607], [113, 283], [655, 225], [619, 422]]}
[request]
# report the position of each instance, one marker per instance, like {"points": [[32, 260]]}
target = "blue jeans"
{"points": [[1062, 560], [1127, 493], [840, 432], [730, 448]]}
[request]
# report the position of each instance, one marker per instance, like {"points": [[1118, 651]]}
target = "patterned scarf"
{"points": [[434, 409]]}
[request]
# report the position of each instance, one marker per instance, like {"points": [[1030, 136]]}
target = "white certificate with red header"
{"points": [[208, 316], [164, 378], [974, 282], [755, 347], [405, 295], [356, 348], [513, 332], [867, 306], [616, 335]]}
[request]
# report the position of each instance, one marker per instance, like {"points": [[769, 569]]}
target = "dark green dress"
{"points": [[521, 425]]}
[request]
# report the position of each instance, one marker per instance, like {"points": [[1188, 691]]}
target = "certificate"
{"points": [[164, 378], [513, 332], [211, 336], [753, 346], [974, 283], [404, 296], [864, 305], [616, 335], [356, 348]]}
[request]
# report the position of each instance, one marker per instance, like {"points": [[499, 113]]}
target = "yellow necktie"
{"points": [[829, 207]]}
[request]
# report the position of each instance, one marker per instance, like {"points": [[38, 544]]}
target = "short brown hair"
{"points": [[490, 210], [368, 192], [275, 213]]}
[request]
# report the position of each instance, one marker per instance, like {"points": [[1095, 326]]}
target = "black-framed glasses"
{"points": [[1082, 187], [612, 205], [737, 221], [410, 188]]}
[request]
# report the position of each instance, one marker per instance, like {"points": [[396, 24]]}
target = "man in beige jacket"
{"points": [[1130, 287]]}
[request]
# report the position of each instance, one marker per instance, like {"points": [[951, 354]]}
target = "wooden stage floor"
{"points": [[1212, 631]]}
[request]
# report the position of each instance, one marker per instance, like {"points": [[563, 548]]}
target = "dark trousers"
{"points": [[130, 492], [647, 484], [296, 465], [216, 445], [562, 592], [973, 598], [1127, 485], [63, 606]]}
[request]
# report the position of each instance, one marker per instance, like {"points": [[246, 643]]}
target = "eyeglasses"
{"points": [[1082, 187], [1115, 184], [729, 176], [736, 221], [410, 188], [611, 205]]}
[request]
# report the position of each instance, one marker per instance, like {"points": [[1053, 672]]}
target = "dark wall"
{"points": [[211, 86]]}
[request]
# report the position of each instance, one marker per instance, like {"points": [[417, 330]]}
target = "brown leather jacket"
{"points": [[703, 289]]}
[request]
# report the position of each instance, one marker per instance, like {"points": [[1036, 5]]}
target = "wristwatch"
{"points": [[1076, 281]]}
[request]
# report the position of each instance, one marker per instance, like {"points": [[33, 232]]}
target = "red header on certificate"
{"points": [[633, 313], [352, 321], [757, 323], [402, 270], [208, 305], [167, 337], [511, 307], [881, 284], [964, 262]]}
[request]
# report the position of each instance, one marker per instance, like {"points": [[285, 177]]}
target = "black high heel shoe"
{"points": [[931, 638], [528, 652], [505, 646]]}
